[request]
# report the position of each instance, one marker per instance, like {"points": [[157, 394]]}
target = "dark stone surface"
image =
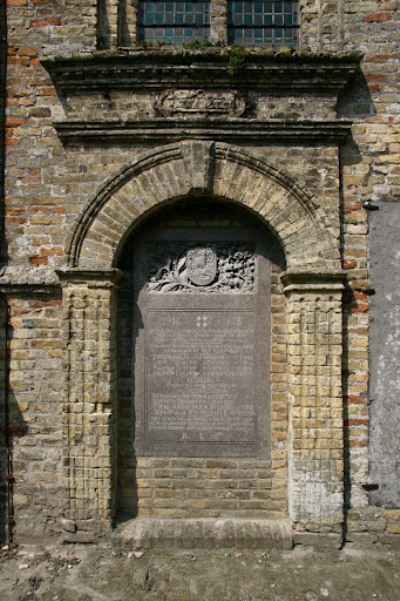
{"points": [[202, 339], [385, 355], [157, 68]]}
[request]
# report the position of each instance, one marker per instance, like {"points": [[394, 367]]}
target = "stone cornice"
{"points": [[208, 68], [92, 278], [313, 281], [29, 289], [227, 130]]}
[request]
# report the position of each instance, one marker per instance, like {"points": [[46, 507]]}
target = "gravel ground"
{"points": [[99, 573]]}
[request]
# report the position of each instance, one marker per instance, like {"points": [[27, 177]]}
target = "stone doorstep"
{"points": [[158, 533]]}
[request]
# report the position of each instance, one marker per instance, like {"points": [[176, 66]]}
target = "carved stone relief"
{"points": [[200, 102], [216, 267], [201, 316]]}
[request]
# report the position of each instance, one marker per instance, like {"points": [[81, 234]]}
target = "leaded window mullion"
{"points": [[270, 23]]}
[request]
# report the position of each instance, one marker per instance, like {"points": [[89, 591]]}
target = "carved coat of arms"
{"points": [[205, 268], [201, 265]]}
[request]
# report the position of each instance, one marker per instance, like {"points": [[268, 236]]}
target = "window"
{"points": [[250, 23], [263, 23], [174, 22]]}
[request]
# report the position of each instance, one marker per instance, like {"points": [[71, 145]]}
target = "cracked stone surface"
{"points": [[100, 573]]}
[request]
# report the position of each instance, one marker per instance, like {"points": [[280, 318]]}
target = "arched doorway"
{"points": [[305, 474], [195, 430]]}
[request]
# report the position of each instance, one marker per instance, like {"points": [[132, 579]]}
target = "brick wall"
{"points": [[370, 170], [49, 186], [34, 412]]}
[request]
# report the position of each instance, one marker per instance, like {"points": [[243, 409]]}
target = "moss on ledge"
{"points": [[188, 54]]}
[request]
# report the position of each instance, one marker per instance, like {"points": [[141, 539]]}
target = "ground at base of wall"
{"points": [[97, 573]]}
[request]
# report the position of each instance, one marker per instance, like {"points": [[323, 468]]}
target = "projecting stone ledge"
{"points": [[158, 533]]}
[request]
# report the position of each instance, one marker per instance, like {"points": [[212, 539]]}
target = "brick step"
{"points": [[156, 533]]}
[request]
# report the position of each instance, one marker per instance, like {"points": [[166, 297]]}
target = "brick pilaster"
{"points": [[314, 324], [89, 412]]}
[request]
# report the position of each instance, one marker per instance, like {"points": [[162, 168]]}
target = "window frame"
{"points": [[189, 28], [221, 27], [262, 23]]}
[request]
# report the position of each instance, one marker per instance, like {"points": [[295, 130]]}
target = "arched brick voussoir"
{"points": [[117, 217], [252, 189], [219, 170], [293, 201], [280, 209]]}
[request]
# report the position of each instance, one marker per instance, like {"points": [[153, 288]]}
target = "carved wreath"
{"points": [[216, 267]]}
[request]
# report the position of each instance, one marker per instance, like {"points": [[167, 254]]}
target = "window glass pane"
{"points": [[263, 23], [174, 22], [260, 22]]}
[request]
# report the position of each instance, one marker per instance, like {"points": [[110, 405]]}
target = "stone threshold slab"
{"points": [[158, 533]]}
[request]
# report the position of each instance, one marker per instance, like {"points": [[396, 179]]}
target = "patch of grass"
{"points": [[237, 59]]}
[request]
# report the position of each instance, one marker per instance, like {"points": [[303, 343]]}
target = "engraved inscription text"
{"points": [[201, 377]]}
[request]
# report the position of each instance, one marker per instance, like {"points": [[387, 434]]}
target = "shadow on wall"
{"points": [[124, 37], [12, 424], [103, 26], [127, 486], [12, 427], [3, 72], [355, 103]]}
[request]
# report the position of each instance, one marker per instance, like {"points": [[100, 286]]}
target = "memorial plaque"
{"points": [[201, 343]]}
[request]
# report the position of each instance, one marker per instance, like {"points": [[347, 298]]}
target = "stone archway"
{"points": [[217, 169], [195, 392], [313, 290]]}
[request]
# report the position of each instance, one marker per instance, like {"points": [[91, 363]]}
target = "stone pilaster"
{"points": [[218, 24], [127, 22], [108, 18], [314, 325], [89, 409]]}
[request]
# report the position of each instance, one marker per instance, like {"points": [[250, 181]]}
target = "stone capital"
{"points": [[313, 281], [90, 278]]}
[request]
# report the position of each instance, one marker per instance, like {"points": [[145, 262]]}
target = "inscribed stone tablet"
{"points": [[201, 354]]}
